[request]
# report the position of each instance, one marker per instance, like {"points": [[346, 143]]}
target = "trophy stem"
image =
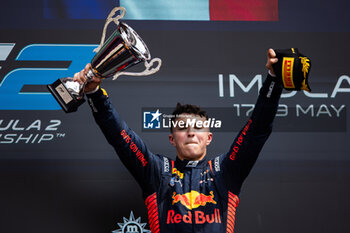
{"points": [[90, 75]]}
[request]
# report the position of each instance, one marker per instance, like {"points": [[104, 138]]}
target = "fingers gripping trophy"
{"points": [[122, 50]]}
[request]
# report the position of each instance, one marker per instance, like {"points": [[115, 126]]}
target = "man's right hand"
{"points": [[80, 77], [271, 59]]}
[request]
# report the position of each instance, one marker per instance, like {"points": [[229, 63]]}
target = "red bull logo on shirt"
{"points": [[200, 217], [178, 173], [193, 199]]}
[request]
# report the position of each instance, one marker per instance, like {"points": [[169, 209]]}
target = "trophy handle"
{"points": [[109, 19], [147, 71]]}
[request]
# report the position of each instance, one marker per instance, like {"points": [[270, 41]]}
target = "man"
{"points": [[190, 194]]}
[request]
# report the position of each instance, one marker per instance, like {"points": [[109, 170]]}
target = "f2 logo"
{"points": [[11, 97]]}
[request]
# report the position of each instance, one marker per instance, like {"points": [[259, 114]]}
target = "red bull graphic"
{"points": [[178, 173], [199, 217], [193, 199]]}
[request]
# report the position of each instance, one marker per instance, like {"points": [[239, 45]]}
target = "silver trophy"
{"points": [[122, 50]]}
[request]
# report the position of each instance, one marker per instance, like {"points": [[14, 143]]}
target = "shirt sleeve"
{"points": [[244, 151], [132, 151]]}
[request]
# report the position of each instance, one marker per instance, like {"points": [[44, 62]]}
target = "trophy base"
{"points": [[68, 102]]}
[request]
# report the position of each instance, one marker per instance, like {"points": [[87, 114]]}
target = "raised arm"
{"points": [[132, 151], [244, 151]]}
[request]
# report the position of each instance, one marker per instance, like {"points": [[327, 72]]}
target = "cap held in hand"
{"points": [[293, 68]]}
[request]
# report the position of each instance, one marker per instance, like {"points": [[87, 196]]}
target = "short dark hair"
{"points": [[189, 109]]}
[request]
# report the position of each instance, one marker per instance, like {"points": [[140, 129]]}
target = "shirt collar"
{"points": [[189, 163]]}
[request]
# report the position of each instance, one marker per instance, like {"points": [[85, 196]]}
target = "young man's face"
{"points": [[190, 140]]}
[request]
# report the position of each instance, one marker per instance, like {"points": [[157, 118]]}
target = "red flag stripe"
{"points": [[247, 10]]}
